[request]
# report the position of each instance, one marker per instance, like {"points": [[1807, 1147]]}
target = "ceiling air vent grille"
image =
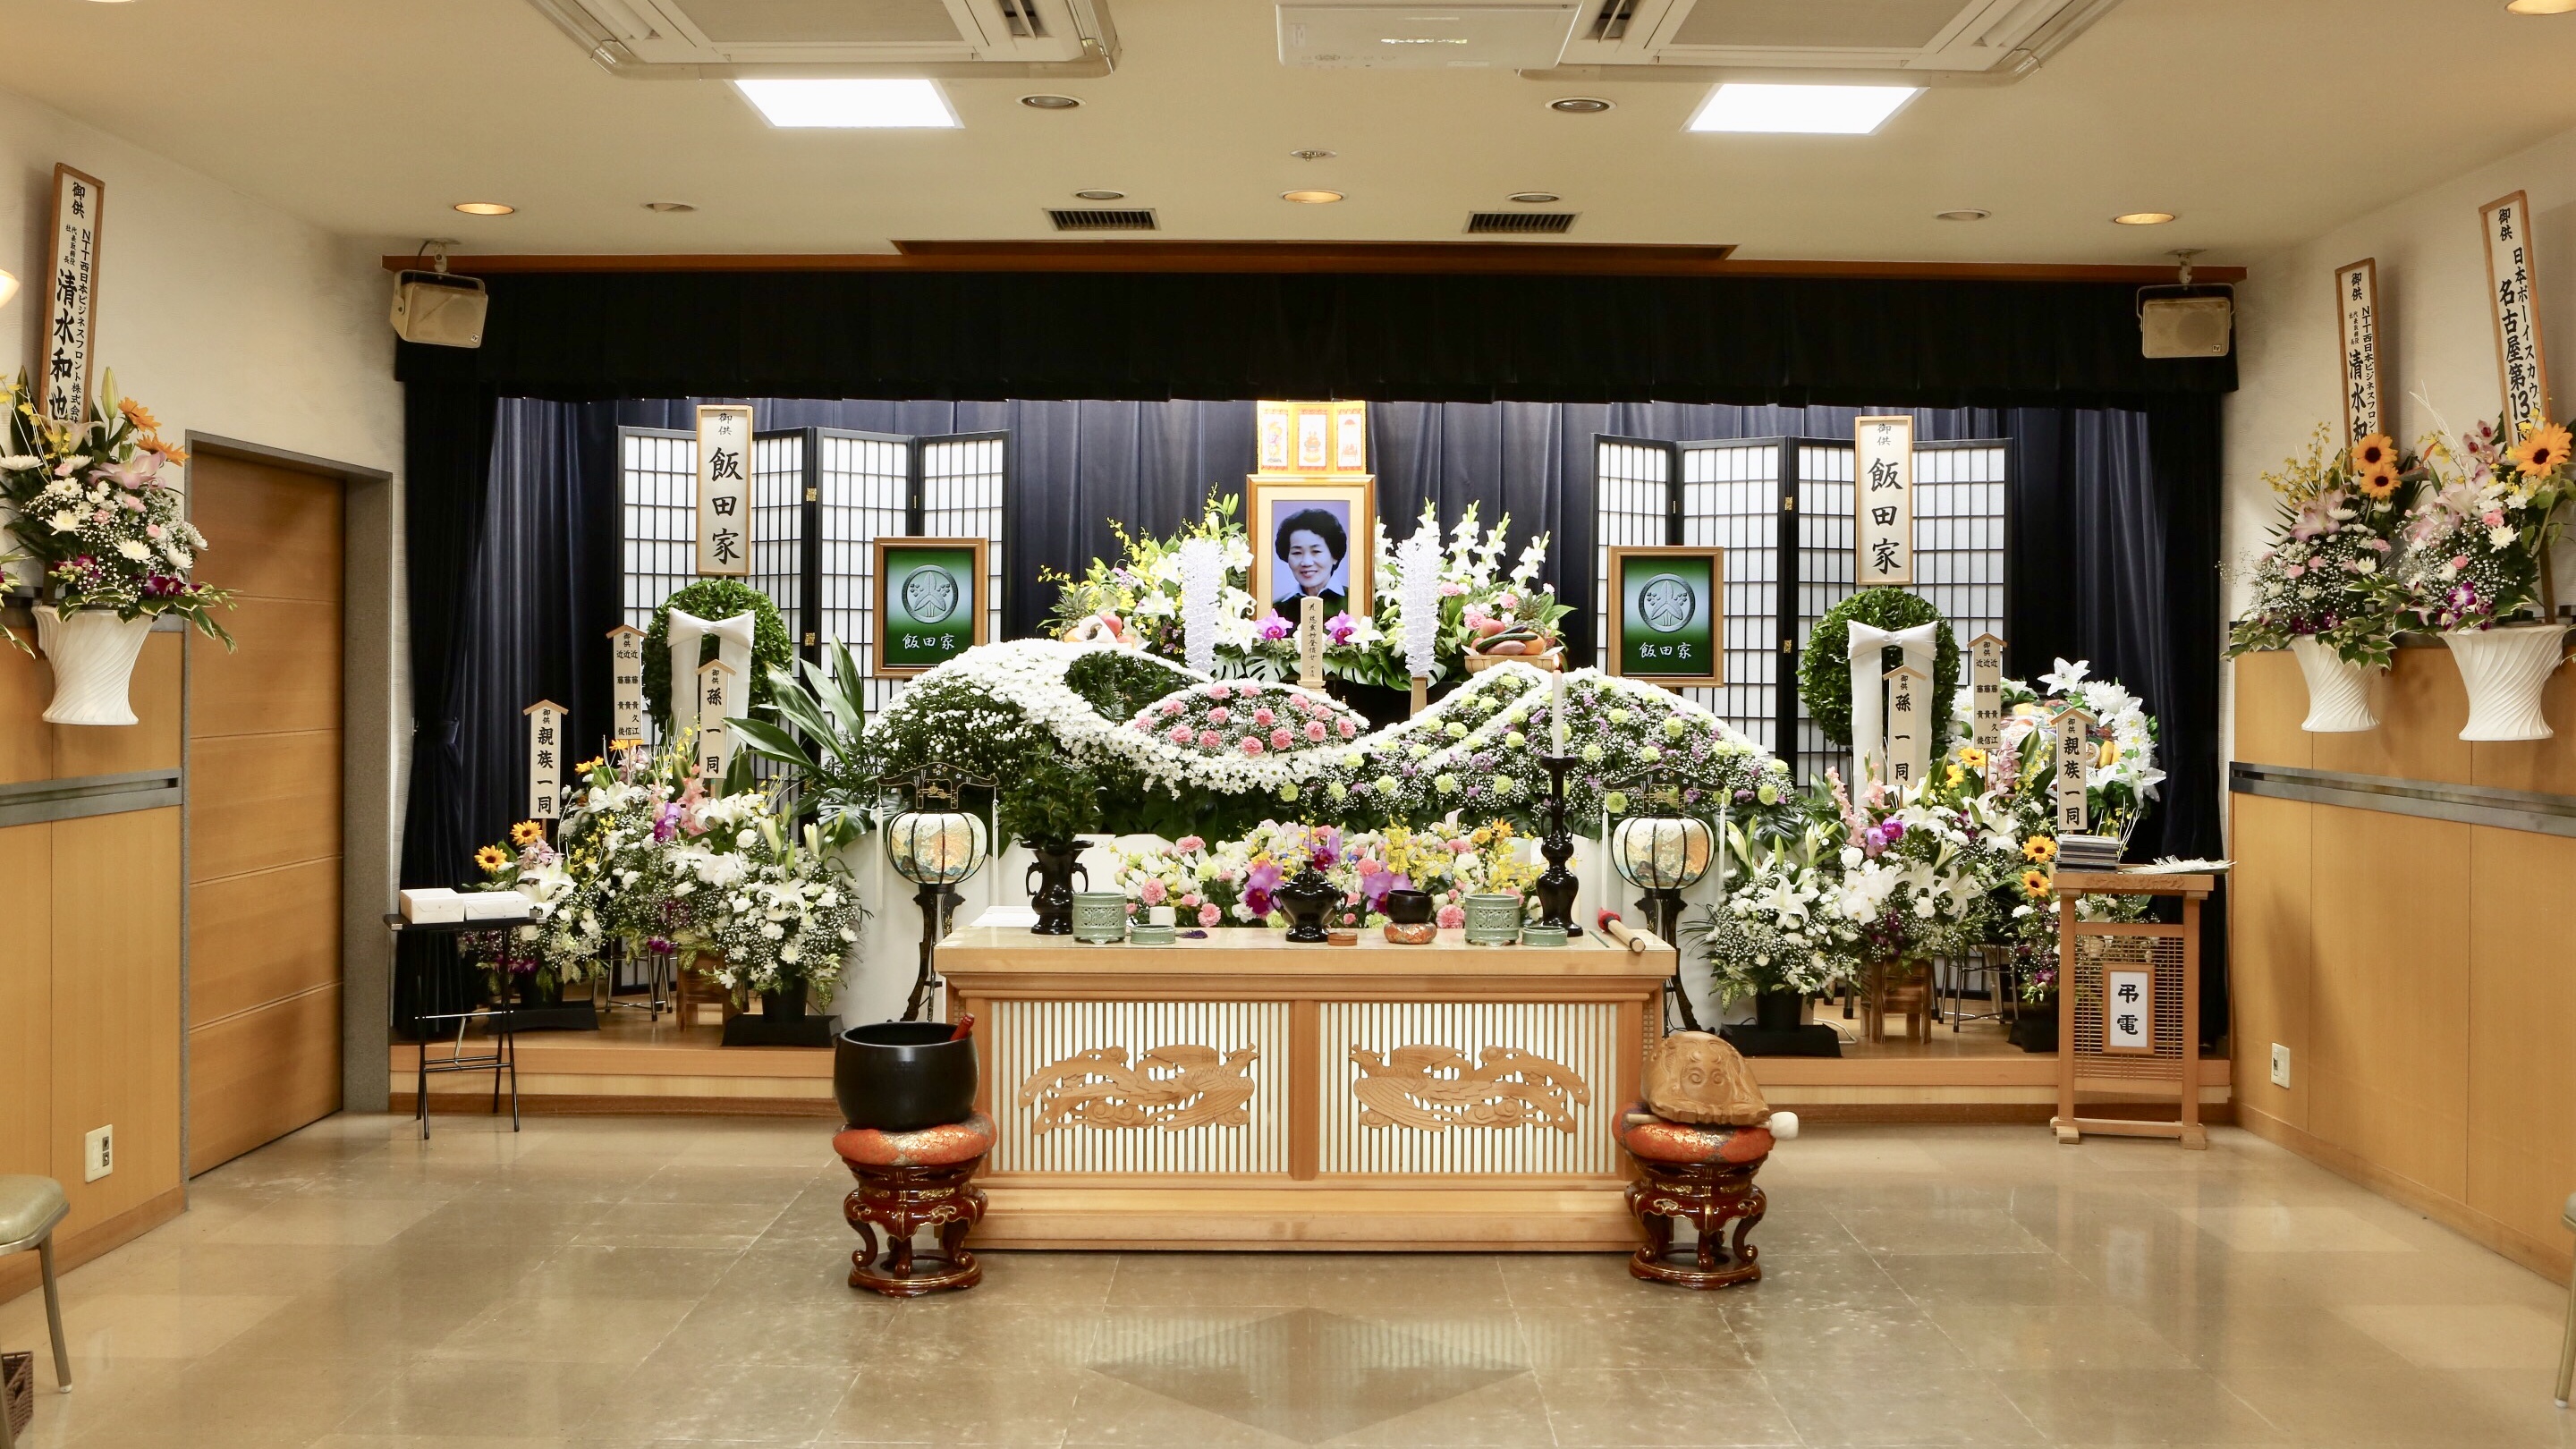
{"points": [[1610, 22], [1020, 17], [1520, 223], [1103, 218]]}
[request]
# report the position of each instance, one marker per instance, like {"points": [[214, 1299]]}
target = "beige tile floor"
{"points": [[593, 1283]]}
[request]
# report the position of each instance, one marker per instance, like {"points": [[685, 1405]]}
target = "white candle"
{"points": [[1556, 713]]}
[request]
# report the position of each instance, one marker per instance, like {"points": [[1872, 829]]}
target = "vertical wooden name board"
{"points": [[71, 298], [715, 742], [1883, 502], [1986, 692], [2074, 753], [2510, 280], [1310, 642], [1909, 726], [545, 760], [724, 491], [2357, 308], [626, 676]]}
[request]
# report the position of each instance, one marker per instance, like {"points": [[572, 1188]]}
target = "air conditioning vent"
{"points": [[721, 38], [1610, 22], [1103, 218], [1021, 18], [1520, 223]]}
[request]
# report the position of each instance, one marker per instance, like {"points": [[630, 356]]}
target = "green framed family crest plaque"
{"points": [[1667, 615], [930, 602]]}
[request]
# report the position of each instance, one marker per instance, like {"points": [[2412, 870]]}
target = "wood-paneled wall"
{"points": [[89, 982], [2418, 970]]}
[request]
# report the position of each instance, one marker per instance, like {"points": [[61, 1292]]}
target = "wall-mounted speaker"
{"points": [[2201, 326], [440, 309]]}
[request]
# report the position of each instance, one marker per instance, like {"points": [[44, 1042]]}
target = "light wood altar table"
{"points": [[1238, 1091]]}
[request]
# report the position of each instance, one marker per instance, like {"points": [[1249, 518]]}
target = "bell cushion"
{"points": [[930, 1147], [1657, 1140], [28, 1206]]}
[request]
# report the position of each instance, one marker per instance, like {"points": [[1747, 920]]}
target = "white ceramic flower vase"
{"points": [[2504, 670], [93, 654], [2338, 690]]}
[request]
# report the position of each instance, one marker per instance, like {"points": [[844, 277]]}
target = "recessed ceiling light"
{"points": [[1049, 103], [2540, 7], [1314, 155], [1100, 194], [1963, 213], [848, 103], [2143, 218], [1800, 110], [668, 206], [1533, 198], [1579, 105], [1311, 198], [485, 208]]}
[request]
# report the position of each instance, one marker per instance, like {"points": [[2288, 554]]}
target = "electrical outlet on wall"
{"points": [[98, 1153], [2280, 1065]]}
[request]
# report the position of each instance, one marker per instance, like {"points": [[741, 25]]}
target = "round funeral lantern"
{"points": [[1662, 855], [935, 846]]}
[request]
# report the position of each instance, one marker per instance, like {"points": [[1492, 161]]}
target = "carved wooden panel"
{"points": [[1138, 1087], [1172, 1087], [1435, 1088], [1484, 1088]]}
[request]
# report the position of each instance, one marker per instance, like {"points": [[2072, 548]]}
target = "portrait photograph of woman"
{"points": [[1312, 540]]}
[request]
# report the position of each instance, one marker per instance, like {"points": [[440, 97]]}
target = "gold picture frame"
{"points": [[1352, 505], [1714, 610]]}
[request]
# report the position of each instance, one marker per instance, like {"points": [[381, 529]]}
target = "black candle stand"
{"points": [[1556, 886]]}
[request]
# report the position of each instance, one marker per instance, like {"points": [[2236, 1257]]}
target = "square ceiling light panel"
{"points": [[1800, 110], [802, 103]]}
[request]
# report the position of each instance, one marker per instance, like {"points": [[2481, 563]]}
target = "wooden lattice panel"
{"points": [[1478, 1088], [1140, 1087]]}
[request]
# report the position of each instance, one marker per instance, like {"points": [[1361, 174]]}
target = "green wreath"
{"points": [[1824, 673], [714, 599]]}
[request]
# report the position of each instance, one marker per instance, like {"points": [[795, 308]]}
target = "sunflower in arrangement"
{"points": [[2329, 573], [2478, 539]]}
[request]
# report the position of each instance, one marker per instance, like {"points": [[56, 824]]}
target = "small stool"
{"points": [[912, 1180], [1703, 1173], [1907, 987], [29, 1209]]}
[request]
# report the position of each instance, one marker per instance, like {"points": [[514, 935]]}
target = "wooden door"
{"points": [[264, 788]]}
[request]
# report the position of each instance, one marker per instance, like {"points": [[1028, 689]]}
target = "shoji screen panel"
{"points": [[778, 526], [1730, 497], [1633, 505], [658, 482], [1824, 577], [865, 482], [961, 497], [1960, 542]]}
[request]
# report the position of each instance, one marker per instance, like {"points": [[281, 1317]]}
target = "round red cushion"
{"points": [[930, 1147], [1657, 1140]]}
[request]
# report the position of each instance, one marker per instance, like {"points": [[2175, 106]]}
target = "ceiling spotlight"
{"points": [[1313, 155], [1579, 105], [845, 104], [668, 206], [1533, 198], [2143, 218], [1311, 198], [485, 208], [1964, 213], [1100, 193], [1049, 103], [2540, 7]]}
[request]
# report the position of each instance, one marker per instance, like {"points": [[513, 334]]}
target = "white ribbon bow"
{"points": [[1869, 683], [733, 646]]}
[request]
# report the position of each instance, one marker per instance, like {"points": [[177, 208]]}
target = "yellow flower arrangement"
{"points": [[593, 763], [2376, 451], [1953, 775], [1972, 758], [2541, 451], [139, 415], [2040, 848], [527, 832], [2035, 884], [2378, 480], [491, 858]]}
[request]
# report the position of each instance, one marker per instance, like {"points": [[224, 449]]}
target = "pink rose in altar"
{"points": [[1450, 590], [1209, 915], [1249, 689], [1264, 718], [1461, 845], [1508, 601], [1315, 730], [1171, 707], [1220, 715], [1188, 843], [1219, 691], [1451, 917], [1347, 729], [1281, 739], [1211, 740], [1180, 734], [1153, 893], [1369, 867], [2494, 518], [1251, 746], [1192, 900]]}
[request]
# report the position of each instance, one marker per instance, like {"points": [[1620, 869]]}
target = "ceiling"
{"points": [[2259, 122]]}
